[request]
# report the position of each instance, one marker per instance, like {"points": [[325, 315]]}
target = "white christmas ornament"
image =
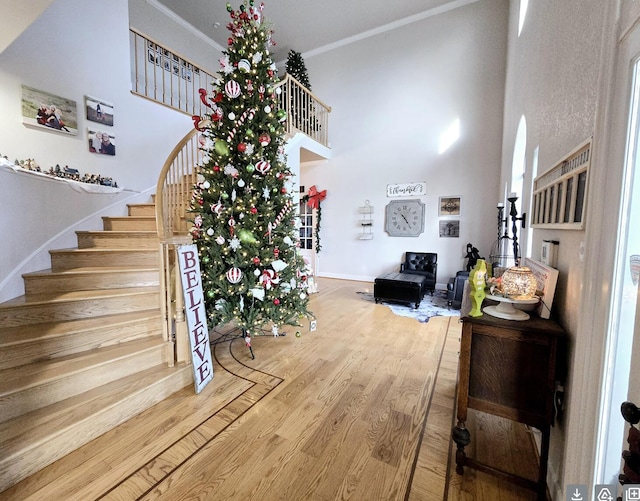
{"points": [[234, 275], [241, 183], [287, 240], [232, 89], [206, 185], [258, 293], [210, 232], [232, 115], [220, 240], [267, 109], [279, 265], [244, 65]]}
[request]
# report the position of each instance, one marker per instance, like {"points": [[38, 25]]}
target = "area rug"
{"points": [[430, 306]]}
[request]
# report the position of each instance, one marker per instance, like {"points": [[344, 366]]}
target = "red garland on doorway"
{"points": [[313, 199]]}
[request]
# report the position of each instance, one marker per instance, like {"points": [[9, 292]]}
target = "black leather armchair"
{"points": [[422, 263], [455, 288]]}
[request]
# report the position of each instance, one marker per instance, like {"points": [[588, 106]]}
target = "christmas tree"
{"points": [[244, 221], [296, 68]]}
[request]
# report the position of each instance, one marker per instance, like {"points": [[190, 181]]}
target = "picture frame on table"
{"points": [[547, 279]]}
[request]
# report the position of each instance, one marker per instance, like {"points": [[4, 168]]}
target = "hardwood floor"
{"points": [[360, 409]]}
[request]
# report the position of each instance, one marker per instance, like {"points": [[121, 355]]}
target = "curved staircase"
{"points": [[83, 350]]}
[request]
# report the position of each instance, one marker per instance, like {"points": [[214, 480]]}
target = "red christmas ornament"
{"points": [[242, 147], [263, 167], [230, 41], [254, 210], [283, 190], [216, 168], [264, 139], [276, 252], [256, 260], [276, 301], [232, 89]]}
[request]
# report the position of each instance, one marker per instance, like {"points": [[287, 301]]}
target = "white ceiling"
{"points": [[308, 26]]}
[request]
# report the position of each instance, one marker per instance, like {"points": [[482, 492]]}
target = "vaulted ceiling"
{"points": [[309, 26]]}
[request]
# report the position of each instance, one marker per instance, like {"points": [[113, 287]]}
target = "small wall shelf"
{"points": [[366, 221]]}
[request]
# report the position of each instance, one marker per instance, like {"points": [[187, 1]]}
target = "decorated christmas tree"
{"points": [[296, 68], [244, 220]]}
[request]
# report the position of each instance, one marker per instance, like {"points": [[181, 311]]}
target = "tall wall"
{"points": [[553, 74], [393, 96]]}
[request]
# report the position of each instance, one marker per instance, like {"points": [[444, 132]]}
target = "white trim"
{"points": [[388, 27]]}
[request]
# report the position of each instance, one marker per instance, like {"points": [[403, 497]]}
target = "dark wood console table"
{"points": [[508, 369]]}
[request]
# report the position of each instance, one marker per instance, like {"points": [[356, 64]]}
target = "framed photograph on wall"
{"points": [[101, 142], [98, 110], [449, 206], [449, 228], [48, 111]]}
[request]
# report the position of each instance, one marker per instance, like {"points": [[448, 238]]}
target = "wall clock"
{"points": [[404, 218]]}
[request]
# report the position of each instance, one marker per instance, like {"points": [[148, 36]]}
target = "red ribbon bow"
{"points": [[315, 197]]}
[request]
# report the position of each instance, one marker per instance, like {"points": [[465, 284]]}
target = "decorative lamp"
{"points": [[518, 288], [519, 283]]}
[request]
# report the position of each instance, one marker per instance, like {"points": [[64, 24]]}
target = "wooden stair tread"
{"points": [[71, 296], [31, 429], [46, 330], [96, 250], [89, 269], [19, 378], [125, 233]]}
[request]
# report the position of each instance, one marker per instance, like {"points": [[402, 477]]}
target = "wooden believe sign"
{"points": [[196, 316]]}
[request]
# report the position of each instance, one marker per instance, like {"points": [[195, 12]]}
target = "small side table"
{"points": [[508, 369]]}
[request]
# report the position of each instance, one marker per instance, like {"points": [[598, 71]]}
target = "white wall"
{"points": [[76, 48], [553, 76], [392, 96]]}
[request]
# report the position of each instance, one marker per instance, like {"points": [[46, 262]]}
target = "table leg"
{"points": [[462, 438]]}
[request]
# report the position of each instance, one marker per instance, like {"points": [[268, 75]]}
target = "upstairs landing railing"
{"points": [[305, 113]]}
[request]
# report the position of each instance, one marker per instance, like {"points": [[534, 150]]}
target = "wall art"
{"points": [[101, 142], [449, 228], [449, 206], [43, 110], [98, 110]]}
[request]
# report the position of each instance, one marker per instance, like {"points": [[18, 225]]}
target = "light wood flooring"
{"points": [[360, 409]]}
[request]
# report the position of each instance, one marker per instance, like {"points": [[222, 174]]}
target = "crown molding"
{"points": [[390, 26]]}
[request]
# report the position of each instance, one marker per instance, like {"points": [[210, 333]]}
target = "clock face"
{"points": [[404, 218]]}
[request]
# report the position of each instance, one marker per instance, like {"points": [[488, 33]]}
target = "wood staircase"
{"points": [[83, 351]]}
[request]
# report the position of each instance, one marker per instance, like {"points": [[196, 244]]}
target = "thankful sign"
{"points": [[196, 315], [407, 190]]}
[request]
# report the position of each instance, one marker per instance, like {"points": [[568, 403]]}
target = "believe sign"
{"points": [[196, 315]]}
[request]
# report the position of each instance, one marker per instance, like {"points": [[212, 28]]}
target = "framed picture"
{"points": [[449, 206], [99, 111], [449, 228], [47, 111], [101, 142], [547, 278]]}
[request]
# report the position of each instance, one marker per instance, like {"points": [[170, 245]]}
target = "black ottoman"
{"points": [[402, 287]]}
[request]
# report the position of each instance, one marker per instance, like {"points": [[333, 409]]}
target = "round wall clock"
{"points": [[404, 218]]}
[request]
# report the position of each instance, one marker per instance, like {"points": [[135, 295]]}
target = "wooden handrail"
{"points": [[306, 113]]}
